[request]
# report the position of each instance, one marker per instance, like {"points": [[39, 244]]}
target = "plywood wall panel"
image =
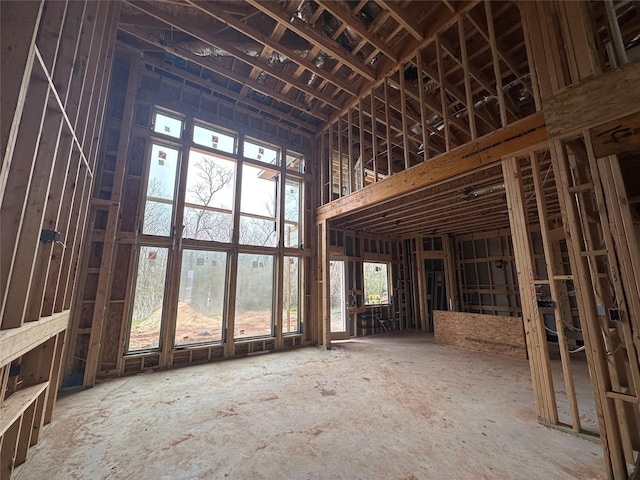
{"points": [[489, 333]]}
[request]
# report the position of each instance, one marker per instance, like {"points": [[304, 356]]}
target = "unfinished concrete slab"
{"points": [[399, 407]]}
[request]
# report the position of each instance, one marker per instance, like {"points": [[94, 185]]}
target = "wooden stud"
{"points": [[555, 293], [443, 95], [534, 328], [496, 63], [374, 137], [324, 165], [405, 121], [325, 284], [351, 173], [331, 156], [340, 160], [423, 111], [109, 247], [467, 79], [361, 141], [387, 121], [17, 43], [481, 153], [595, 350], [533, 67]]}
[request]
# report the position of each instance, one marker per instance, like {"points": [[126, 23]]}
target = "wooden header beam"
{"points": [[479, 153]]}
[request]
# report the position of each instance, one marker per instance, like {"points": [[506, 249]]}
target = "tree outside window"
{"points": [[376, 283]]}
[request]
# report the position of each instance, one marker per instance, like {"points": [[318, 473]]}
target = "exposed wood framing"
{"points": [[59, 107], [533, 324], [482, 152]]}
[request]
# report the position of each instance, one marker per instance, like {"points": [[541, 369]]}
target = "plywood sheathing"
{"points": [[488, 333]]}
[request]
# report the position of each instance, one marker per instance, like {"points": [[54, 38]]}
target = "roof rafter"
{"points": [[348, 18], [312, 35], [209, 64], [402, 18], [203, 35], [272, 43]]}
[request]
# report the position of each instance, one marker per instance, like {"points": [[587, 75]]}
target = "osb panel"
{"points": [[131, 198], [489, 333], [594, 102], [112, 334], [91, 286], [121, 272]]}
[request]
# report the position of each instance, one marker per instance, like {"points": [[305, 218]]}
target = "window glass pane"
{"points": [[338, 300], [254, 296], [210, 181], [257, 231], [209, 197], [167, 125], [258, 195], [201, 297], [214, 139], [295, 161], [261, 152], [376, 283], [209, 225], [148, 298], [291, 213], [291, 296], [160, 190], [157, 218]]}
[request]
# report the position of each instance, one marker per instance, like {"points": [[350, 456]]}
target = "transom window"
{"points": [[167, 124]]}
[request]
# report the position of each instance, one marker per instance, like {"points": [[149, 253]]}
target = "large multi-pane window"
{"points": [[200, 188]]}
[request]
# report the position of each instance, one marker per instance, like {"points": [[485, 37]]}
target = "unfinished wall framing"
{"points": [[56, 64]]}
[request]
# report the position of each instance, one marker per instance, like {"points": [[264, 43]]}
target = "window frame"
{"points": [[388, 269]]}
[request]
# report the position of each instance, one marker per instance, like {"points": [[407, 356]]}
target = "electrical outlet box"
{"points": [[49, 236]]}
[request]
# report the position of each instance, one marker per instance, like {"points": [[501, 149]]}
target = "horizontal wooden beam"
{"points": [[479, 153], [15, 342], [594, 102], [17, 403]]}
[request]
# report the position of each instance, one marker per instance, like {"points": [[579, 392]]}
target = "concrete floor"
{"points": [[370, 408]]}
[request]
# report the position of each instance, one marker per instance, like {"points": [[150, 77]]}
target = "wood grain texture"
{"points": [[488, 333], [618, 136], [480, 153], [594, 101]]}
